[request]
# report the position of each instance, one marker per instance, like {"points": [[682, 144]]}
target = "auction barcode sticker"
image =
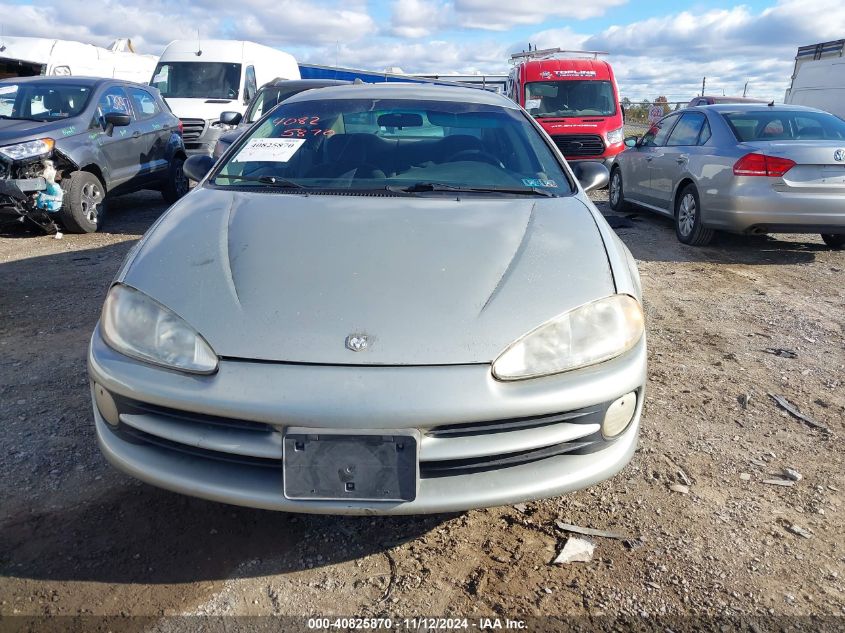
{"points": [[274, 150]]}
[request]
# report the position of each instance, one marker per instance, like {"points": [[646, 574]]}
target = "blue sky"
{"points": [[659, 47]]}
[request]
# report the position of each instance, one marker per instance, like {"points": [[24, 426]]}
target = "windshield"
{"points": [[371, 144], [267, 99], [570, 98], [42, 101], [197, 80], [785, 125]]}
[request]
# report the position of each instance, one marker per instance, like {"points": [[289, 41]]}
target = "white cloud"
{"points": [[497, 15], [430, 56], [154, 23], [417, 18]]}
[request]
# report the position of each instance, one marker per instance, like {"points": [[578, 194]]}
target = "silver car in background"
{"points": [[745, 168], [384, 299]]}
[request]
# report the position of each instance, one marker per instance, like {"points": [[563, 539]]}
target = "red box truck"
{"points": [[574, 97]]}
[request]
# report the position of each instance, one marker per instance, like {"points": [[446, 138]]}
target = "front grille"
{"points": [[580, 144], [192, 129], [253, 443], [451, 467], [591, 414]]}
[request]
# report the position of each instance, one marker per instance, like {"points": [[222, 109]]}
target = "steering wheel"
{"points": [[477, 155]]}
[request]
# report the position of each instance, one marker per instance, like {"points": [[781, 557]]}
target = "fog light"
{"points": [[619, 415], [106, 405]]}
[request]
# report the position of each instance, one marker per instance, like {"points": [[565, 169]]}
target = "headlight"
{"points": [[136, 325], [616, 136], [590, 334], [30, 149]]}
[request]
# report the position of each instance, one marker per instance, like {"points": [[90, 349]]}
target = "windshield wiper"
{"points": [[419, 187], [274, 181]]}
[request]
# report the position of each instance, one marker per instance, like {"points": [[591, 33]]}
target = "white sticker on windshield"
{"points": [[530, 104], [274, 150]]}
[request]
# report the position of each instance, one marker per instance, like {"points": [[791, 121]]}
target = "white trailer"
{"points": [[199, 79], [32, 56], [818, 79]]}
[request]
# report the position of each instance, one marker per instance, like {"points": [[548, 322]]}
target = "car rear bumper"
{"points": [[760, 208], [483, 443]]}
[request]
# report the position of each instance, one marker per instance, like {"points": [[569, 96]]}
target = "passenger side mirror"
{"points": [[230, 118], [116, 119], [197, 166], [591, 175], [632, 141]]}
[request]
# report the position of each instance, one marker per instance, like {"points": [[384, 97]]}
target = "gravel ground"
{"points": [[706, 537]]}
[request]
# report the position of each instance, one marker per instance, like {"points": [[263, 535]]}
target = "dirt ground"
{"points": [[79, 538]]}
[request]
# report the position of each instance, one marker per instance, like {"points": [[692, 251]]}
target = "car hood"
{"points": [[429, 280], [20, 130], [202, 108]]}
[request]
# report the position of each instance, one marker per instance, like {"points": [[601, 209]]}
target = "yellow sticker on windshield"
{"points": [[272, 150]]}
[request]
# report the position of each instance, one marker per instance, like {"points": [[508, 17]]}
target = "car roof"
{"points": [[305, 83], [410, 91], [70, 80], [753, 107]]}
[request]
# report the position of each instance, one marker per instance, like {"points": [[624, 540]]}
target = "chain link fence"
{"points": [[639, 115]]}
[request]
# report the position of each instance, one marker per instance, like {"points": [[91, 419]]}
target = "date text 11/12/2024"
{"points": [[416, 624]]}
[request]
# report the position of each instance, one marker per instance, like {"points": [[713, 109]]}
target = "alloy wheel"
{"points": [[89, 200], [686, 214]]}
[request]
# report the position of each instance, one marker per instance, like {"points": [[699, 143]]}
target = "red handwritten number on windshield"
{"points": [[301, 132], [303, 120]]}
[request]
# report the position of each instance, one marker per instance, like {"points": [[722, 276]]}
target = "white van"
{"points": [[819, 78], [201, 79], [33, 56]]}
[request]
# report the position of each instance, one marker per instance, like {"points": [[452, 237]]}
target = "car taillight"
{"points": [[761, 165], [180, 128]]}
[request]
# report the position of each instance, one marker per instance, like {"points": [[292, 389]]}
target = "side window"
{"points": [[705, 133], [250, 84], [658, 132], [112, 100], [143, 103], [687, 130]]}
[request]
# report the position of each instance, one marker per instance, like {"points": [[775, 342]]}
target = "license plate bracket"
{"points": [[339, 465]]}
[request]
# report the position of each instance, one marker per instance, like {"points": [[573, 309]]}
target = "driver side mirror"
{"points": [[230, 118], [197, 166], [632, 141], [115, 119], [591, 175]]}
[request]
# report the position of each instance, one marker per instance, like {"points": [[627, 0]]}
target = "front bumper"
{"points": [[219, 437], [200, 141]]}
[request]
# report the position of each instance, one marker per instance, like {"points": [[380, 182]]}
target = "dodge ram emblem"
{"points": [[839, 155], [357, 342]]}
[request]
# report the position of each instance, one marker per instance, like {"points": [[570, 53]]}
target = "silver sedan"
{"points": [[384, 299], [745, 168]]}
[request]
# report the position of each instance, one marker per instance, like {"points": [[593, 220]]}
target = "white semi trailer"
{"points": [[32, 56], [818, 79]]}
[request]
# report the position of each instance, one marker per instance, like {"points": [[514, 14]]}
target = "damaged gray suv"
{"points": [[66, 143]]}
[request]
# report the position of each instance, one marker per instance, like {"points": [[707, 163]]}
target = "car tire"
{"points": [[177, 184], [616, 192], [84, 204], [688, 226], [836, 241]]}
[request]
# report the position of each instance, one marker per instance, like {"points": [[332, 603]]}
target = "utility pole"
{"points": [[703, 82]]}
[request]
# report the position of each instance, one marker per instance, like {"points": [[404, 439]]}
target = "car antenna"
{"points": [[772, 103], [199, 48]]}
